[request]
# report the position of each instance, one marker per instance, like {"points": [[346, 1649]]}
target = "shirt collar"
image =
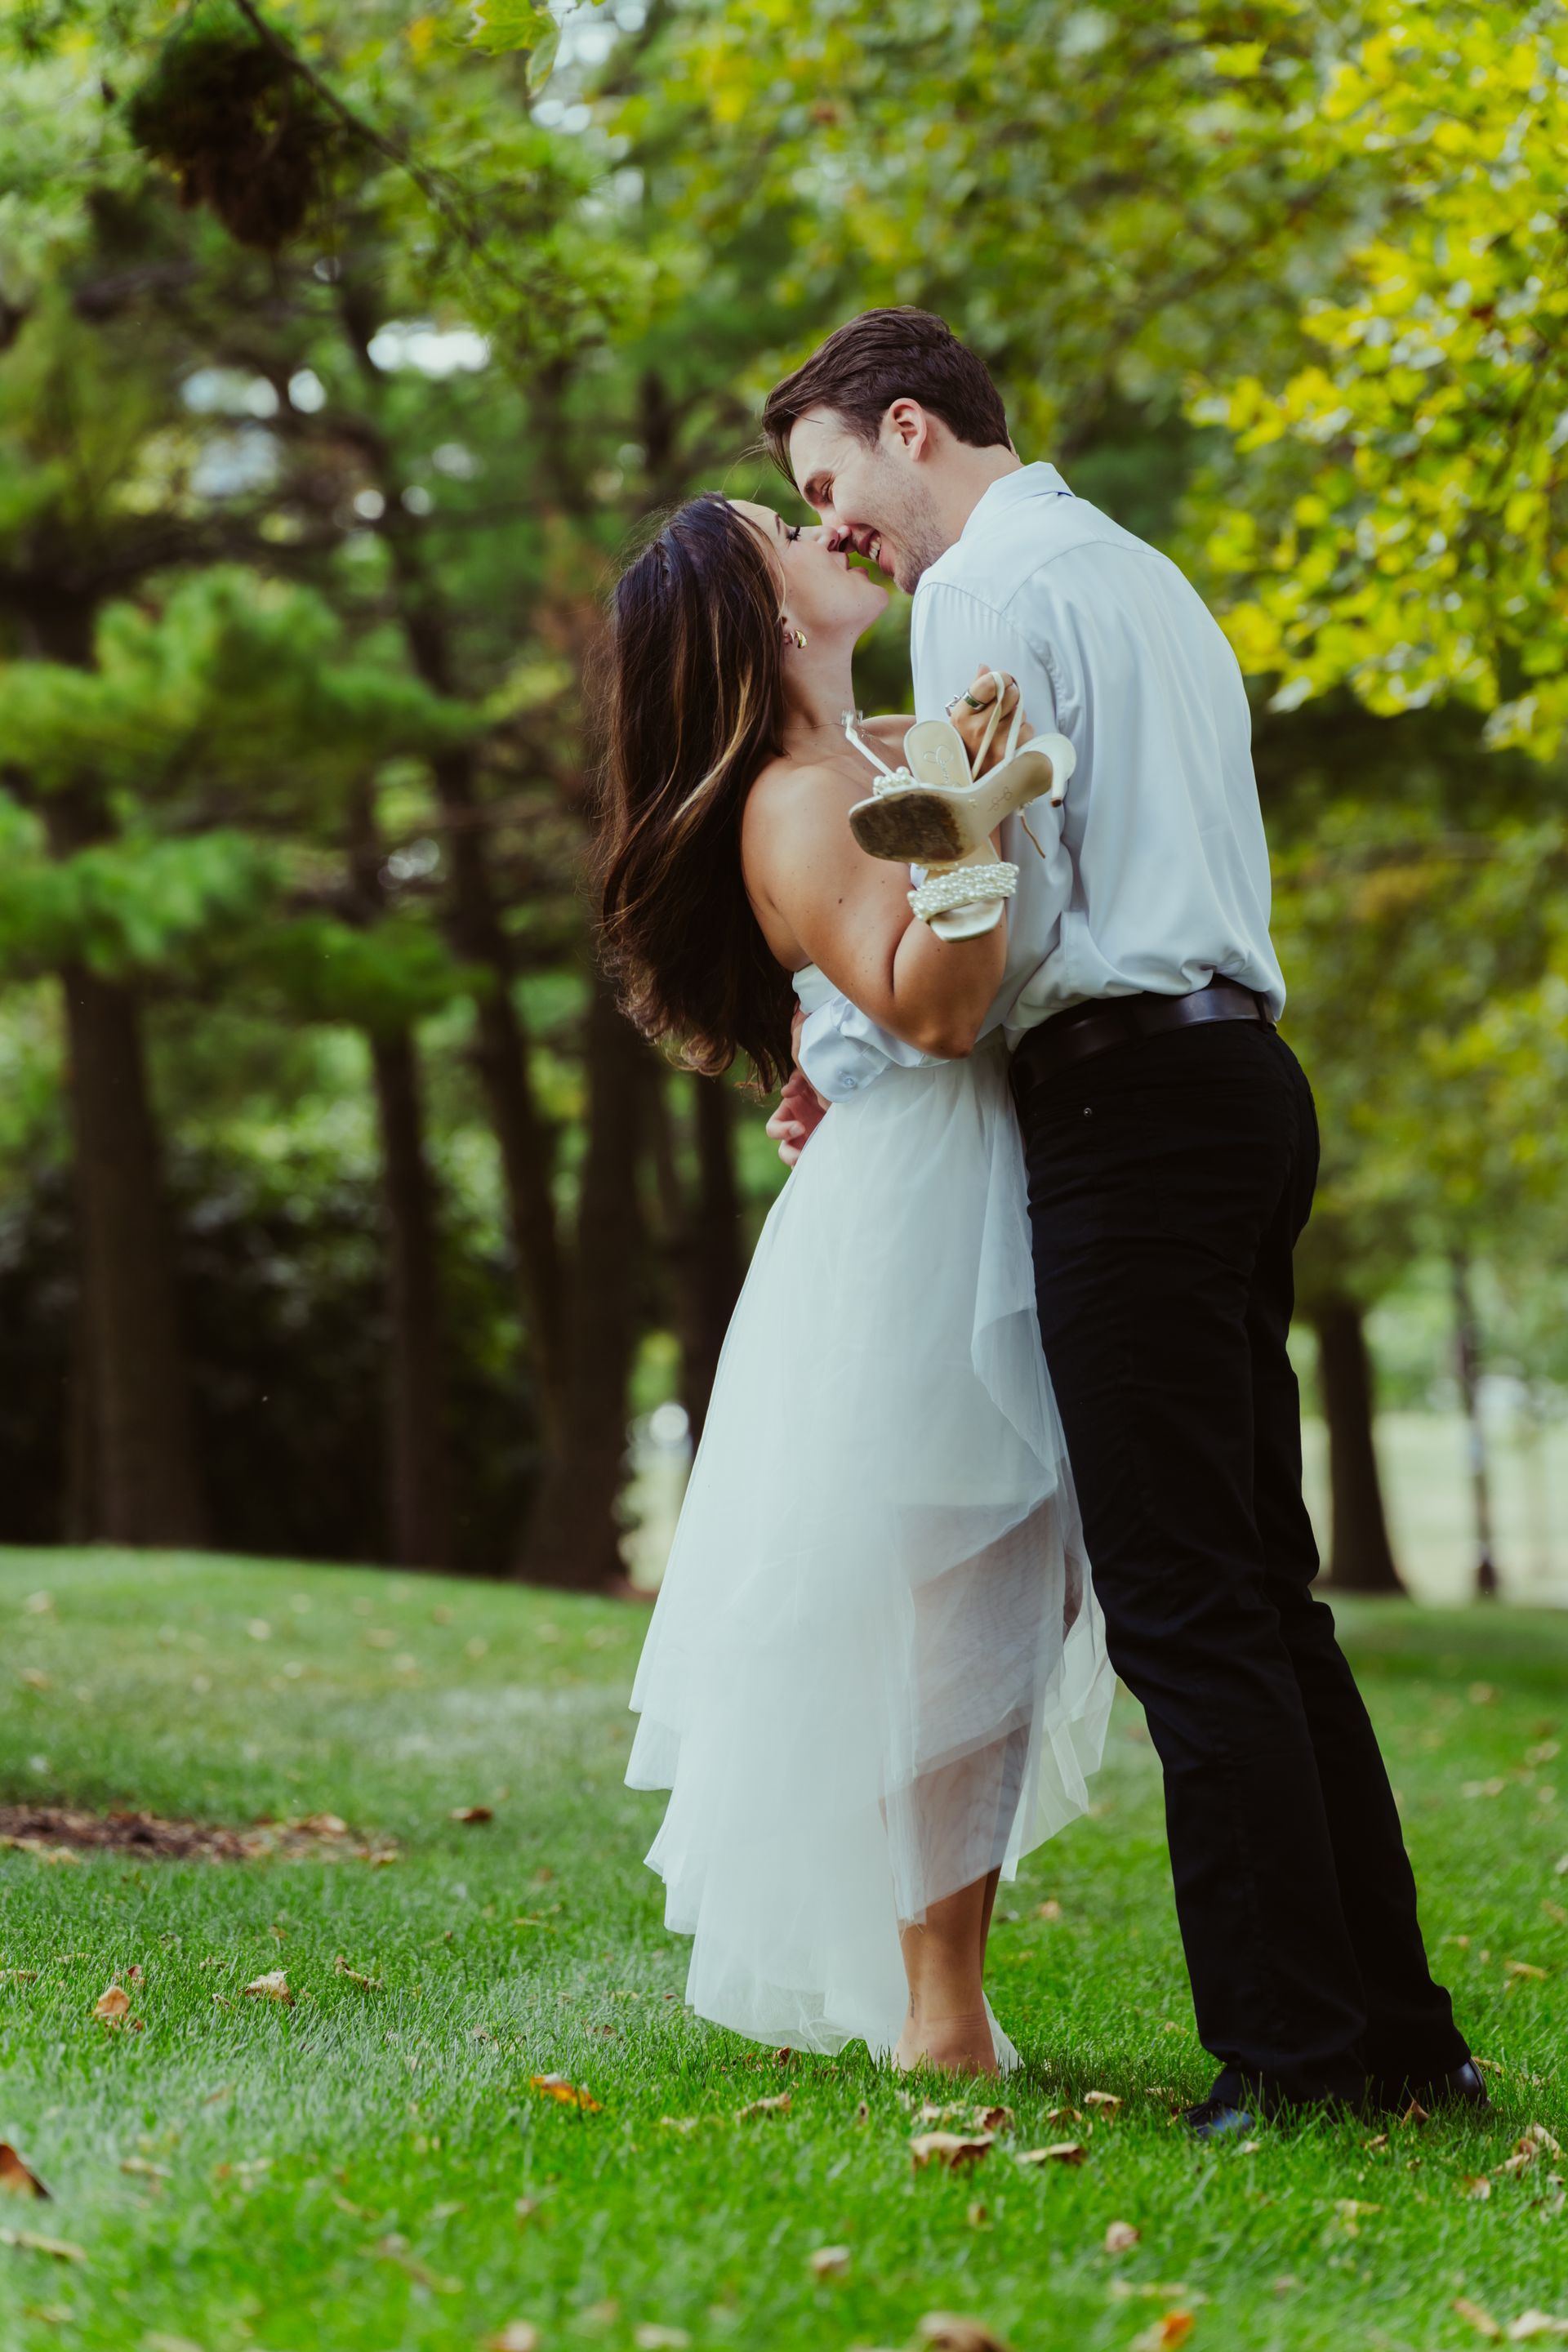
{"points": [[1037, 481]]}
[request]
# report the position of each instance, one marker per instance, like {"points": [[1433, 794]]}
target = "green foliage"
{"points": [[1402, 523], [241, 683], [136, 904]]}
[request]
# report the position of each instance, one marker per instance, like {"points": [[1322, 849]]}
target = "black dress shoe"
{"points": [[1462, 2086], [1218, 2119]]}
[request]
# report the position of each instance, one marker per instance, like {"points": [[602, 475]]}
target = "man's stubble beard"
{"points": [[922, 539]]}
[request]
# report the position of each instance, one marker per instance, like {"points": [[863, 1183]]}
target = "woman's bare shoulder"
{"points": [[792, 803], [886, 731]]}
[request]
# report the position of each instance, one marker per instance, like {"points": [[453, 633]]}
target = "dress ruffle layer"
{"points": [[876, 1669]]}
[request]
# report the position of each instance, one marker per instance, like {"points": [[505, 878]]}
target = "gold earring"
{"points": [[794, 637]]}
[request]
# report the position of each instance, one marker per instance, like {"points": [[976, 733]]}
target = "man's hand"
{"points": [[971, 713], [801, 1108]]}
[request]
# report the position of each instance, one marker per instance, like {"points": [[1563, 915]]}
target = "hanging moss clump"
{"points": [[242, 131]]}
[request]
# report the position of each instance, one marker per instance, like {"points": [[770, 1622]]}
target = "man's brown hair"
{"points": [[882, 356]]}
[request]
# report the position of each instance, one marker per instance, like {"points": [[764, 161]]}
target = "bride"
{"points": [[875, 1675]]}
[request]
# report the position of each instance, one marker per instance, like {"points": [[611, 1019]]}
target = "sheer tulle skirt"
{"points": [[876, 1670]]}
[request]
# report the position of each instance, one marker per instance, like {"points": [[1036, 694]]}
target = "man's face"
{"points": [[872, 495]]}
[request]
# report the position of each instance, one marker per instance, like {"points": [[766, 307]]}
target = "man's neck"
{"points": [[970, 473]]}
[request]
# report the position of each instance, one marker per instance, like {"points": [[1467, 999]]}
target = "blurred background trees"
{"points": [[340, 354]]}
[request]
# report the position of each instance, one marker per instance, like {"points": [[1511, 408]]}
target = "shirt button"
{"points": [[850, 1084]]}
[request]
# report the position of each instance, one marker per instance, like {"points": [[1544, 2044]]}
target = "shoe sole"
{"points": [[916, 828]]}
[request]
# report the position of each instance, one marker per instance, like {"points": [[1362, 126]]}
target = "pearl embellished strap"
{"points": [[963, 886]]}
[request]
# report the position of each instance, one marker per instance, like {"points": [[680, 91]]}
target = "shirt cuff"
{"points": [[842, 1050]]}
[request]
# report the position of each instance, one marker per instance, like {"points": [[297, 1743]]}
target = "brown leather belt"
{"points": [[1109, 1021]]}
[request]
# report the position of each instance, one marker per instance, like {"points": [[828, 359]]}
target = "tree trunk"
{"points": [[147, 1489], [1467, 1362], [1361, 1559], [711, 1269], [572, 1535], [419, 1486], [501, 1045]]}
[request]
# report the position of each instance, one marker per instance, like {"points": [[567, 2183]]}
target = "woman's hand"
{"points": [[972, 714]]}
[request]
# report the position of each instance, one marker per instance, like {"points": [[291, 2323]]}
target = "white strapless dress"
{"points": [[876, 1669]]}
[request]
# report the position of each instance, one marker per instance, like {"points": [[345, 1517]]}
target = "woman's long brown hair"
{"points": [[695, 709]]}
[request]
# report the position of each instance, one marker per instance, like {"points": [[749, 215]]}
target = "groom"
{"points": [[1171, 1148]]}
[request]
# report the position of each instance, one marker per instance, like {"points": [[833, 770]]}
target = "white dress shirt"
{"points": [[1155, 872]]}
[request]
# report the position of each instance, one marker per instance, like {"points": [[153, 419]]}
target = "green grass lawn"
{"points": [[370, 2169]]}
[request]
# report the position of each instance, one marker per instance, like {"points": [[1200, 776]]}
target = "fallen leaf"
{"points": [[1106, 2099], [16, 2176], [1249, 2147], [862, 2113], [829, 2262], [371, 1984], [947, 2332], [649, 2336], [471, 1814], [61, 2248], [1051, 1910], [1517, 1968], [1493, 2065], [111, 2005], [35, 1679], [556, 2086], [1061, 2151], [1532, 2325], [272, 1987], [1415, 2113], [139, 2165], [133, 1973], [394, 2249], [1119, 2236], [778, 2105], [977, 2217], [1173, 2328], [993, 2119], [1381, 2141], [1481, 2321], [679, 2123], [949, 2149], [517, 2336], [1474, 2184]]}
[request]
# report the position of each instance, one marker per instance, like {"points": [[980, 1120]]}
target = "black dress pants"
{"points": [[1168, 1181]]}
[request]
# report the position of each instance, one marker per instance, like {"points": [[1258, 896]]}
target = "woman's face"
{"points": [[818, 588]]}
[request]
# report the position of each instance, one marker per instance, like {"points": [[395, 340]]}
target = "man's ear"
{"points": [[909, 429]]}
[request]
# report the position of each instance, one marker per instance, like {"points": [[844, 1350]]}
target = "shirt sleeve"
{"points": [[842, 1049], [952, 634]]}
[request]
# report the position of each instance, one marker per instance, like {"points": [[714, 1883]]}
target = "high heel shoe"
{"points": [[943, 812], [932, 812]]}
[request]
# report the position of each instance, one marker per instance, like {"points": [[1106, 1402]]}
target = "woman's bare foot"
{"points": [[955, 2044]]}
